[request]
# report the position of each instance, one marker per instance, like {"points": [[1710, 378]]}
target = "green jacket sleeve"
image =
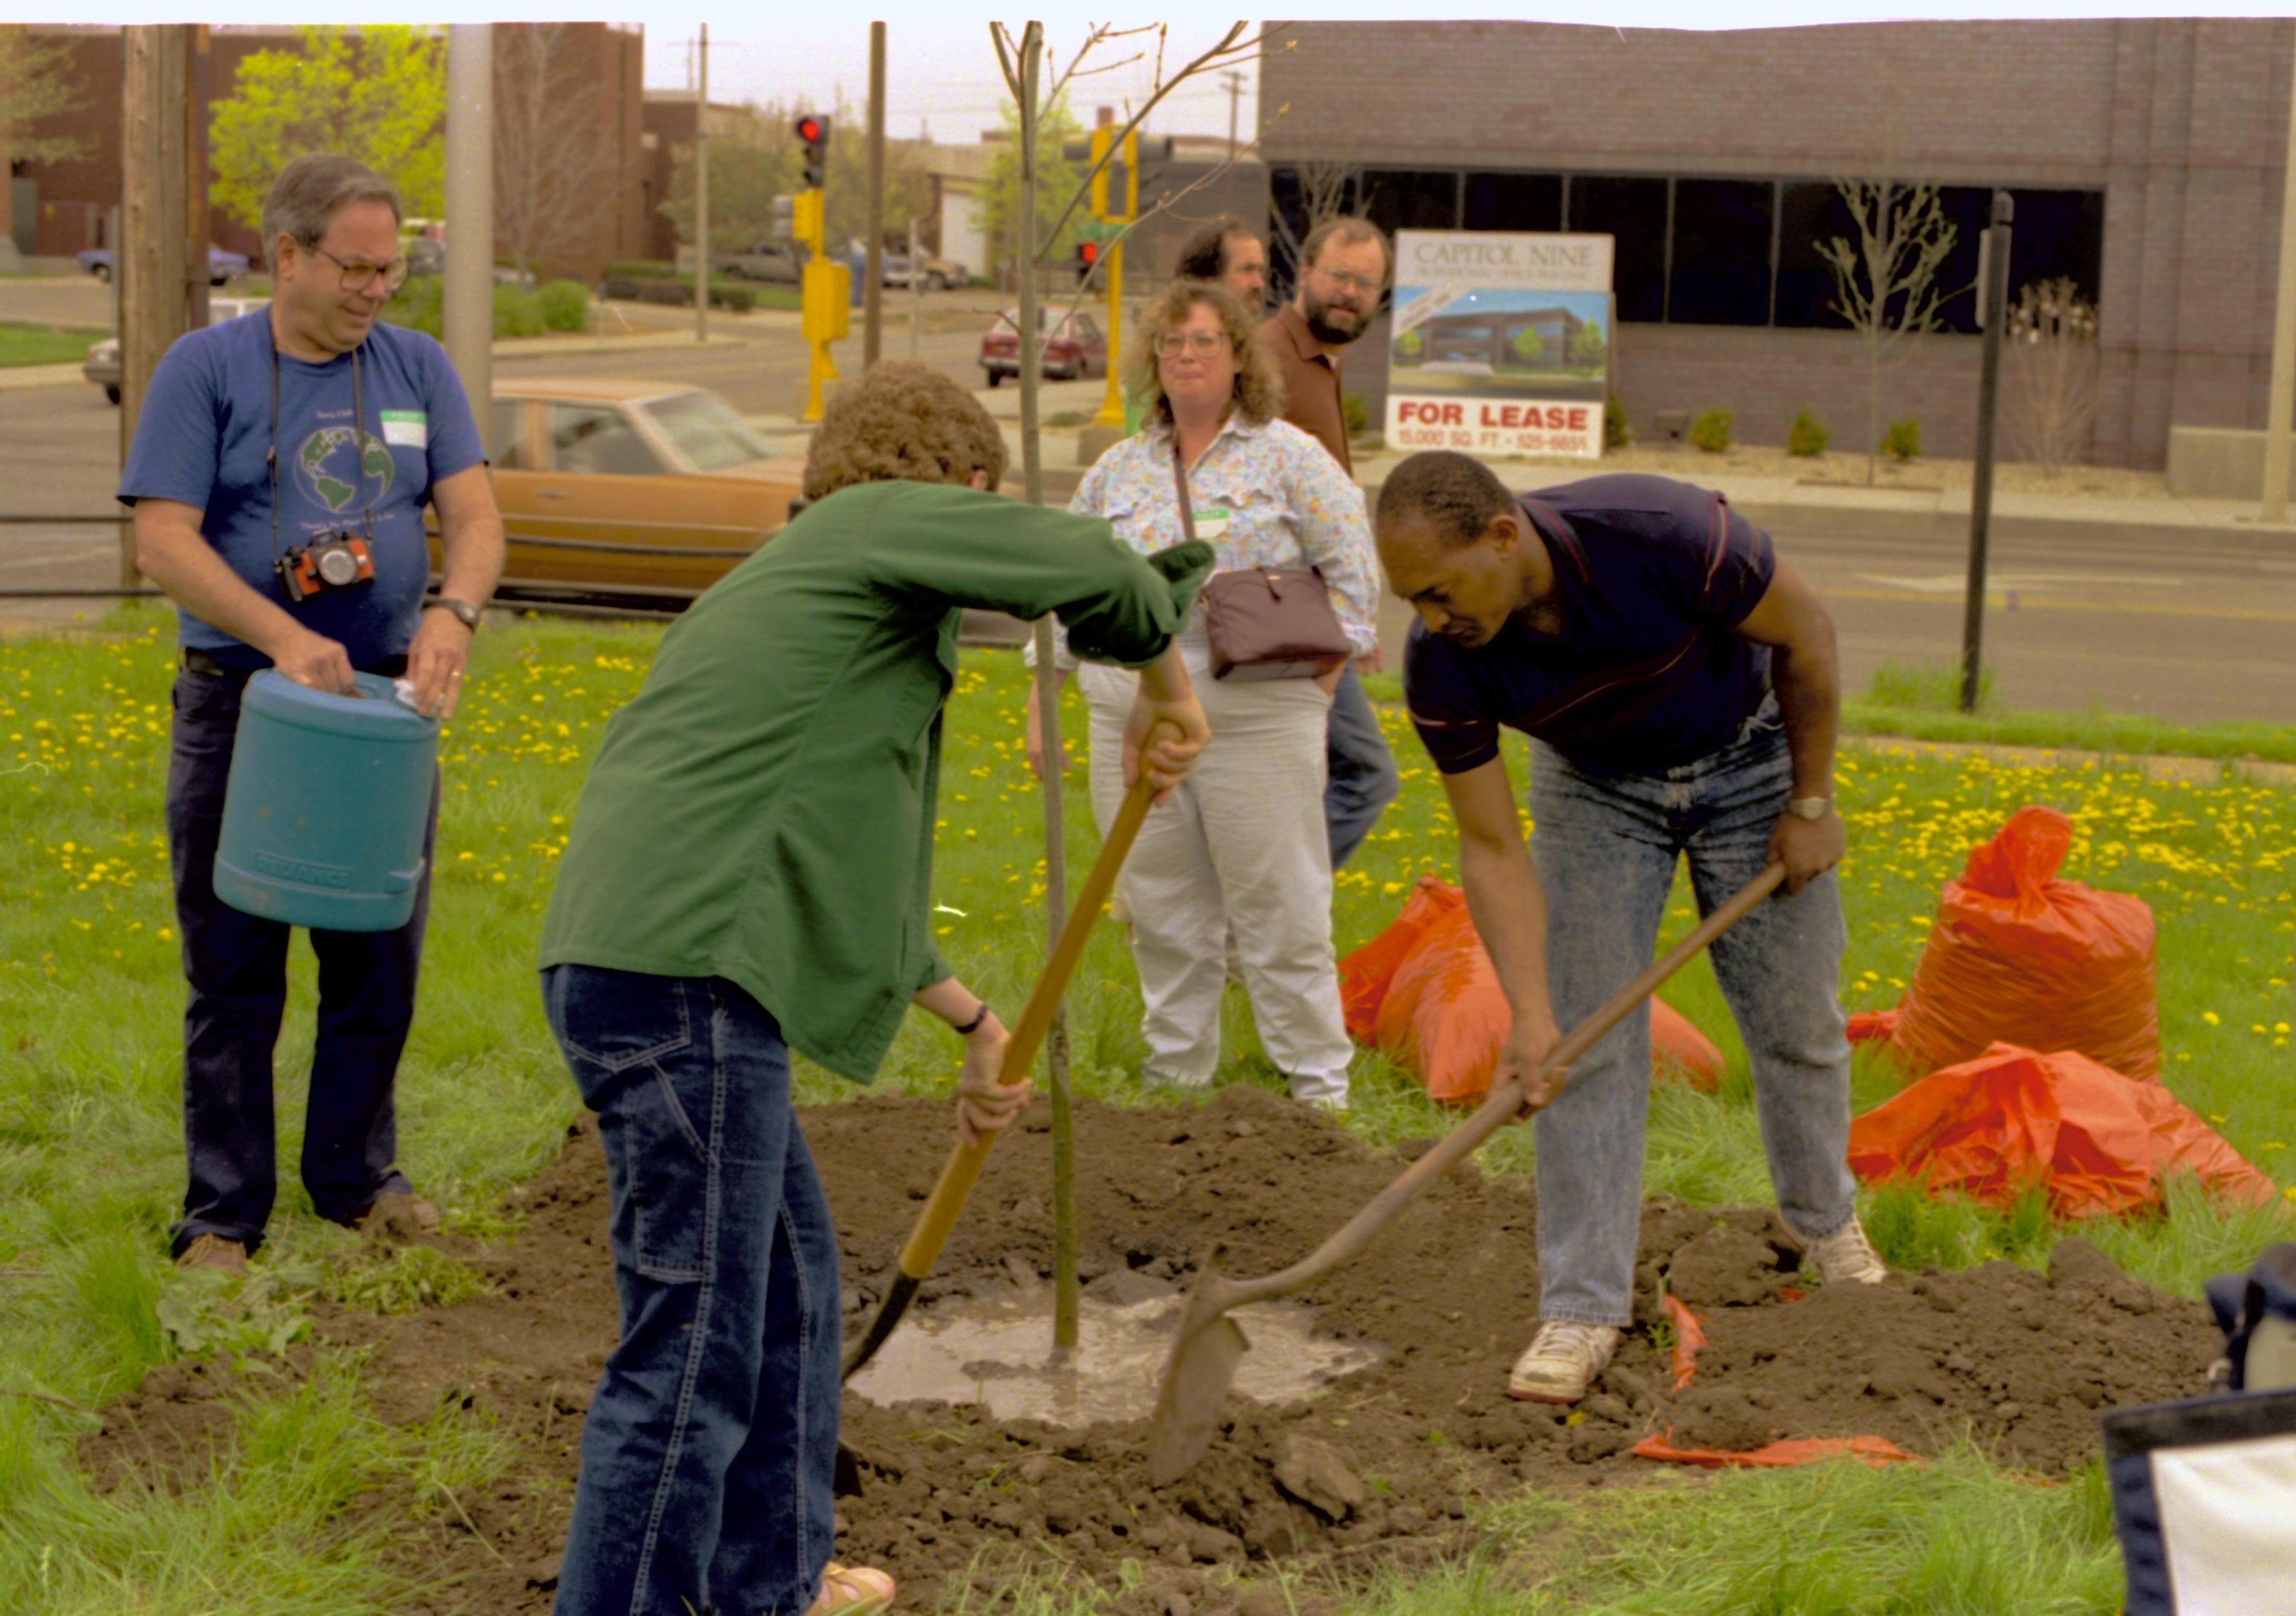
{"points": [[943, 546]]}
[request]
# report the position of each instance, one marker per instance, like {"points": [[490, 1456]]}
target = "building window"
{"points": [[1410, 198], [1513, 202], [1720, 266], [1634, 212], [1810, 213]]}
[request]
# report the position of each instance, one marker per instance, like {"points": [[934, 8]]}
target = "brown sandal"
{"points": [[851, 1590]]}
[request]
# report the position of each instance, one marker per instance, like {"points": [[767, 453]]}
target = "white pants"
{"points": [[1242, 849]]}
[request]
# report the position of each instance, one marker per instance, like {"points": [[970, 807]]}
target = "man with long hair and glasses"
{"points": [[278, 476]]}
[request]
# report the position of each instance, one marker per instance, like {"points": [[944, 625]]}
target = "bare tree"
{"points": [[1886, 285], [549, 148], [1327, 189], [2052, 373]]}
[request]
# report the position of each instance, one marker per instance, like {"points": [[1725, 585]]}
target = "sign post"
{"points": [[1501, 343]]}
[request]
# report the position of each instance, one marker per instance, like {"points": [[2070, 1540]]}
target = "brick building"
{"points": [[591, 76], [2144, 158]]}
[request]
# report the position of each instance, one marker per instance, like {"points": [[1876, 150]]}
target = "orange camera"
{"points": [[341, 561]]}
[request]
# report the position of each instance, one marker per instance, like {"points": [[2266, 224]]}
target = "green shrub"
{"points": [[416, 305], [642, 269], [1358, 413], [1616, 433], [565, 306], [1903, 441], [518, 312], [1711, 430], [1806, 438], [624, 286], [739, 299]]}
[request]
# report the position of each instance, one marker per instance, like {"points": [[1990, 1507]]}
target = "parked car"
{"points": [[766, 261], [103, 365], [1075, 349], [634, 488], [221, 264], [426, 254], [939, 274]]}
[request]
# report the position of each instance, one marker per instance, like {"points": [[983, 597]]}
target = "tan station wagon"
{"points": [[629, 489]]}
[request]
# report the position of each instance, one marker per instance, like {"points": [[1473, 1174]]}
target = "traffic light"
{"points": [[812, 134], [1087, 258]]}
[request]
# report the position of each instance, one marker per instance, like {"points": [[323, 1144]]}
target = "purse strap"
{"points": [[1180, 482]]}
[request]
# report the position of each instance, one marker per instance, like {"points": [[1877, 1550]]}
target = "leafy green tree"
{"points": [[378, 94], [1527, 344], [36, 86], [1588, 347], [997, 208], [750, 163]]}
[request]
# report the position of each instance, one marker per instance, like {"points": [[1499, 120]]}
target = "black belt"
{"points": [[208, 667]]}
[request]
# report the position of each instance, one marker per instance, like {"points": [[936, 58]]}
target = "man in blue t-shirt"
{"points": [[1679, 686], [278, 476]]}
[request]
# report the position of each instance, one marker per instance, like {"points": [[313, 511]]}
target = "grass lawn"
{"points": [[90, 1167], [22, 343]]}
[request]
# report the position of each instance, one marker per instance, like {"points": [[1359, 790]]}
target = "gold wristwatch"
{"points": [[1810, 807]]}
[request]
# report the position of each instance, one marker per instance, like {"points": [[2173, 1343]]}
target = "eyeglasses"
{"points": [[1206, 342], [358, 277], [1345, 281]]}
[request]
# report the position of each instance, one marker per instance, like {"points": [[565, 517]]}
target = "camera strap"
{"points": [[358, 443]]}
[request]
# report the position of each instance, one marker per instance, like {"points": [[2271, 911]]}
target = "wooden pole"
{"points": [[2279, 404], [148, 261], [467, 312], [701, 195], [872, 254], [196, 177]]}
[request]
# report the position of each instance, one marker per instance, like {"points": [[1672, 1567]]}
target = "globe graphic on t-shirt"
{"points": [[328, 468]]}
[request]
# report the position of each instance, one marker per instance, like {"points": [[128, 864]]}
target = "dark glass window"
{"points": [[2058, 232], [1410, 198], [1721, 253], [1289, 206], [1514, 202], [1634, 212], [1808, 215]]}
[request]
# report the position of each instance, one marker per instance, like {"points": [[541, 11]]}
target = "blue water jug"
{"points": [[323, 814]]}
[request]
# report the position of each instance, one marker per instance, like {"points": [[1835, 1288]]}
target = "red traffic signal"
{"points": [[812, 130], [1087, 253]]}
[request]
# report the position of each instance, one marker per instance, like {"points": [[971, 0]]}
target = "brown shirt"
{"points": [[1311, 383]]}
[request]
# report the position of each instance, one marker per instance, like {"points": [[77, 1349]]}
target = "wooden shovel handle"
{"points": [[965, 1162], [1503, 1106]]}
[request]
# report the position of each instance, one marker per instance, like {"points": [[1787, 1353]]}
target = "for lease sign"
{"points": [[1501, 343]]}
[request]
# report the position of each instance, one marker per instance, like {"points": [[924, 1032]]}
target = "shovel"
{"points": [[1211, 1344], [963, 1165]]}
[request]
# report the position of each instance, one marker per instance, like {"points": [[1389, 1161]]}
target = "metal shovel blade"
{"points": [[1196, 1379]]}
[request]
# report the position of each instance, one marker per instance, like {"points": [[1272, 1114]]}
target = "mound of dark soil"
{"points": [[1384, 1462]]}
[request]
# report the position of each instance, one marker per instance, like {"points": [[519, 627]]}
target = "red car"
{"points": [[1076, 348]]}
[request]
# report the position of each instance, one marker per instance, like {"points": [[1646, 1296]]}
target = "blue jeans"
{"points": [[710, 1447], [235, 965], [1606, 846], [1362, 780]]}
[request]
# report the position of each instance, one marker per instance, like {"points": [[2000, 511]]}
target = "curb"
{"points": [[17, 378]]}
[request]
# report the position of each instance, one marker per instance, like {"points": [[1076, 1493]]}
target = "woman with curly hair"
{"points": [[1248, 856], [749, 873]]}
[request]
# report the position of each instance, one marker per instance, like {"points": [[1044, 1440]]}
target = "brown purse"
{"points": [[1265, 623]]}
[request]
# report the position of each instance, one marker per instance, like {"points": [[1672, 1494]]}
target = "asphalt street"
{"points": [[2203, 630]]}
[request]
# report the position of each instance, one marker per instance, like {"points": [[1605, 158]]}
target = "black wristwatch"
{"points": [[973, 1026], [464, 612]]}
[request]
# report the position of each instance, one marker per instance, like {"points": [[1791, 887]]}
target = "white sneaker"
{"points": [[1562, 1362], [1845, 1257]]}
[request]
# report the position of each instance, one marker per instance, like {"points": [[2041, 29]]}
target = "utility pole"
{"points": [[1234, 82], [872, 254], [1993, 313], [195, 176], [467, 305], [2284, 339], [148, 261], [701, 195]]}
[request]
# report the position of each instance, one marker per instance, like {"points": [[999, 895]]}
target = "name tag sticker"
{"points": [[1211, 524], [406, 429]]}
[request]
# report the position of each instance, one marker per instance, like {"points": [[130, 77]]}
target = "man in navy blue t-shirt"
{"points": [[278, 476], [1679, 686]]}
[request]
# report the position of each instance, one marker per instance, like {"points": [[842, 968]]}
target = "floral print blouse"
{"points": [[1264, 495]]}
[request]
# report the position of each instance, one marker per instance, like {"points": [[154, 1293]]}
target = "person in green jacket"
{"points": [[749, 873]]}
